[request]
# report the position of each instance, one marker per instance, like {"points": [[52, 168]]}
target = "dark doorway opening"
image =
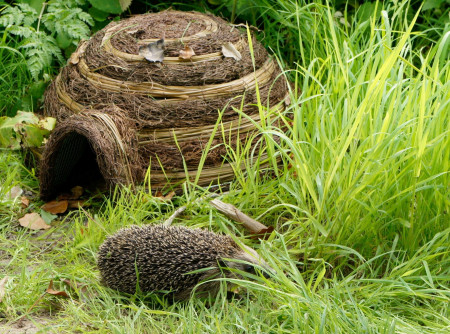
{"points": [[75, 164]]}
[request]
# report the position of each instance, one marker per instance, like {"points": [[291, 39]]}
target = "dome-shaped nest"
{"points": [[120, 114]]}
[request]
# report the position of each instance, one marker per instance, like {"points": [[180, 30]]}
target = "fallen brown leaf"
{"points": [[55, 207], [25, 201], [77, 191], [287, 101], [55, 292], [2, 287], [33, 221], [76, 204], [187, 53], [14, 192], [167, 197]]}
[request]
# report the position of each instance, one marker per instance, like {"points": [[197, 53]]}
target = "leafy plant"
{"points": [[45, 32], [111, 6], [63, 21], [14, 77], [24, 129]]}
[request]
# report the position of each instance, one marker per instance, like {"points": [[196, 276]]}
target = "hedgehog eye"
{"points": [[222, 264], [249, 268]]}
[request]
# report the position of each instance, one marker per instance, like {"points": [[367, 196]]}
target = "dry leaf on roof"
{"points": [[153, 52], [75, 56], [33, 221], [187, 52], [229, 50]]}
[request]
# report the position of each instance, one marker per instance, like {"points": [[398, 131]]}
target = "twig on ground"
{"points": [[181, 209], [234, 213], [175, 215]]}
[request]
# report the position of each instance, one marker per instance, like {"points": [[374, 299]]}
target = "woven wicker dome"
{"points": [[119, 114]]}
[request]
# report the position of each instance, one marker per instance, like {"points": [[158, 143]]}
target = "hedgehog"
{"points": [[173, 259]]}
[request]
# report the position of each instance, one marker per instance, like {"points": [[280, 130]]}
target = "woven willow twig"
{"points": [[65, 98], [233, 127], [105, 119], [224, 172], [262, 76], [77, 107], [210, 27]]}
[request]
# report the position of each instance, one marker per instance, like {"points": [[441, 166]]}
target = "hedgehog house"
{"points": [[149, 94]]}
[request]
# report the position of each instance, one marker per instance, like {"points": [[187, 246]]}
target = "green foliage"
{"points": [[111, 6], [24, 130], [63, 21], [14, 77], [359, 199], [45, 33], [71, 22], [434, 4]]}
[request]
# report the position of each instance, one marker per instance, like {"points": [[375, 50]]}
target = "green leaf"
{"points": [[25, 117], [366, 10], [37, 89], [32, 135], [8, 137], [98, 14], [25, 128], [9, 128], [40, 51], [35, 4], [63, 40], [48, 123], [47, 216], [432, 4], [108, 6]]}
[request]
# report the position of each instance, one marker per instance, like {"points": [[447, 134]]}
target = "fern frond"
{"points": [[85, 17], [40, 50], [21, 14], [31, 15], [62, 19], [21, 31], [11, 16], [75, 30]]}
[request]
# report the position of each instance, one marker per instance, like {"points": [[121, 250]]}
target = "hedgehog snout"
{"points": [[248, 260]]}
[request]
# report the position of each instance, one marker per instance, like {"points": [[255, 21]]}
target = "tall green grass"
{"points": [[14, 79], [359, 200]]}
